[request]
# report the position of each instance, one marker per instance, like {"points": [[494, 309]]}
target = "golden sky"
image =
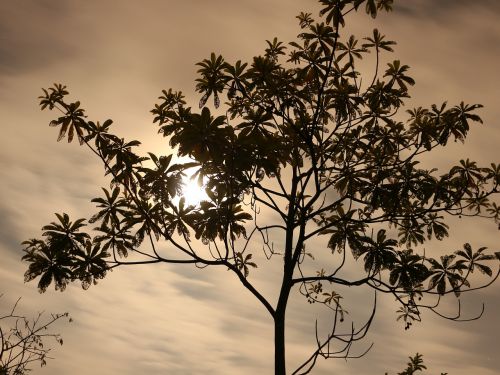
{"points": [[116, 56]]}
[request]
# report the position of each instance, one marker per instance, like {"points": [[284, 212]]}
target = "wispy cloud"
{"points": [[116, 57]]}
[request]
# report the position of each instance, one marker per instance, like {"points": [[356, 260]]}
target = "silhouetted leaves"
{"points": [[90, 265], [408, 271], [111, 207], [308, 135], [397, 74], [244, 262], [377, 41], [446, 271], [72, 122], [212, 79], [416, 364], [472, 260], [378, 253], [54, 259]]}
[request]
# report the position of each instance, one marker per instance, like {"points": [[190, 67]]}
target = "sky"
{"points": [[116, 57]]}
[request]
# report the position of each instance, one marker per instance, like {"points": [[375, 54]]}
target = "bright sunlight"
{"points": [[193, 193]]}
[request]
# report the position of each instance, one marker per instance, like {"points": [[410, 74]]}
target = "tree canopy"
{"points": [[304, 136]]}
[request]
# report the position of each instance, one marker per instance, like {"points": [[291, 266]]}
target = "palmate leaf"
{"points": [[238, 80], [65, 235], [112, 208], [446, 271], [72, 122], [100, 134], [264, 73], [305, 19], [385, 5], [411, 233], [52, 96], [182, 219], [49, 263], [65, 226], [371, 8], [219, 217], [321, 34], [236, 216], [171, 102], [379, 253], [345, 232], [275, 49], [494, 173], [350, 49], [494, 211], [377, 41], [471, 260], [455, 122], [115, 239], [478, 203], [333, 298], [333, 11], [164, 181], [408, 271], [416, 364], [258, 123], [242, 263], [143, 220], [468, 174], [90, 264], [213, 79], [397, 73], [436, 227], [122, 163], [202, 137]]}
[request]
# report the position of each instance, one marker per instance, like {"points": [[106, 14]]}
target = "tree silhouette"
{"points": [[303, 139], [23, 341], [415, 364]]}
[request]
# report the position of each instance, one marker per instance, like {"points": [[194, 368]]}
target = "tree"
{"points": [[416, 364], [22, 341], [302, 137]]}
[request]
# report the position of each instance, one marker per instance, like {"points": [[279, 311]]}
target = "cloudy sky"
{"points": [[116, 57]]}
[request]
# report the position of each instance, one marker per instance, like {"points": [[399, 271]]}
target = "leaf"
{"points": [[485, 270], [204, 99], [371, 8]]}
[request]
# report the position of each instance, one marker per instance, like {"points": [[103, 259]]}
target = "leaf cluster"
{"points": [[306, 138], [66, 254]]}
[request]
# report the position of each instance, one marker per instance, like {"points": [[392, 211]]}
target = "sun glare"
{"points": [[192, 192]]}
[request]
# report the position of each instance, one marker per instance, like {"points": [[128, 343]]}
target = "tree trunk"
{"points": [[279, 344]]}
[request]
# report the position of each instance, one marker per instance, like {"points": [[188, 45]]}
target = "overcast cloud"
{"points": [[116, 57]]}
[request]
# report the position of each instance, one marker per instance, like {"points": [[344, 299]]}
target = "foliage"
{"points": [[306, 138], [23, 340], [416, 364]]}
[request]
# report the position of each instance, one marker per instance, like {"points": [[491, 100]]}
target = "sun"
{"points": [[192, 192]]}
